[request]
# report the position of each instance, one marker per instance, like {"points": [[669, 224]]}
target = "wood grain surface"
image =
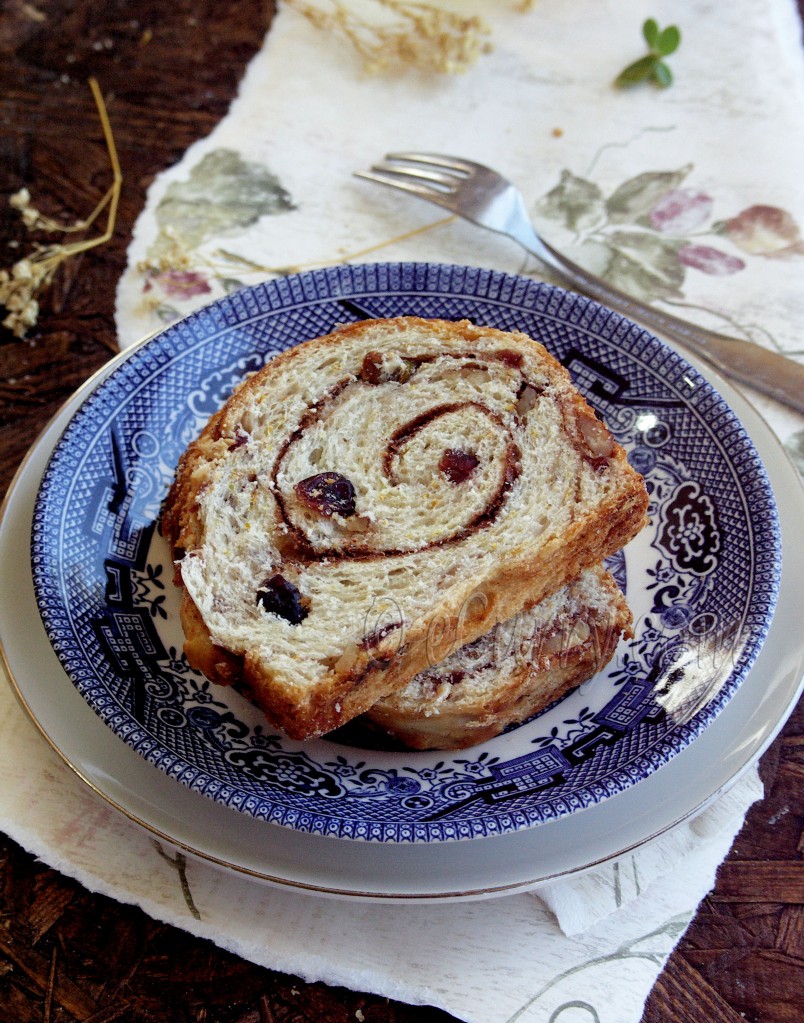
{"points": [[168, 71]]}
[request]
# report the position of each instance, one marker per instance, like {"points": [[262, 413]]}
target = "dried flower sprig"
{"points": [[402, 34], [21, 286]]}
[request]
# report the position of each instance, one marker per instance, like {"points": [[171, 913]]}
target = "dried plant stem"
{"points": [[112, 196], [233, 257], [19, 289]]}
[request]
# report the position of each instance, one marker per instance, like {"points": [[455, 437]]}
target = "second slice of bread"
{"points": [[372, 499], [513, 672]]}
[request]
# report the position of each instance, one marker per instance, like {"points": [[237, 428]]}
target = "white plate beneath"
{"points": [[474, 869]]}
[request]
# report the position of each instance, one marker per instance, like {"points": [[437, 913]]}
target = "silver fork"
{"points": [[485, 198]]}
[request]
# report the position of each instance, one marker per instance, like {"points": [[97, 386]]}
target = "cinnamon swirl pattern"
{"points": [[409, 481], [371, 500]]}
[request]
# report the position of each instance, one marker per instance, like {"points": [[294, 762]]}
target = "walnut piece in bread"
{"points": [[373, 499]]}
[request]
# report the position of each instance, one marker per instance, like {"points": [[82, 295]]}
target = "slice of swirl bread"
{"points": [[512, 672], [372, 497]]}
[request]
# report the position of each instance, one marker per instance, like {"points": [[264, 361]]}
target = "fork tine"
{"points": [[401, 183], [447, 181], [453, 163]]}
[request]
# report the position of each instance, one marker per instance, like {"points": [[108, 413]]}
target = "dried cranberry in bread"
{"points": [[368, 492], [512, 672]]}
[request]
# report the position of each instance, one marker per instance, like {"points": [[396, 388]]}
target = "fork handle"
{"points": [[765, 370]]}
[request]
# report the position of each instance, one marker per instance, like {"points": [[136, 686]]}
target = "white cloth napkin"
{"points": [[694, 192], [711, 167]]}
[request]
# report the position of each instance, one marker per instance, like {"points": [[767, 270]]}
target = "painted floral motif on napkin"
{"points": [[223, 195], [655, 227], [644, 237]]}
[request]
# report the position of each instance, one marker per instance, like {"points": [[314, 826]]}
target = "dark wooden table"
{"points": [[168, 72]]}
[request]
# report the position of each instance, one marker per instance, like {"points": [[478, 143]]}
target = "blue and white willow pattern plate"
{"points": [[701, 580]]}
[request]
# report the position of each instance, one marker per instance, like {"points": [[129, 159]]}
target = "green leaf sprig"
{"points": [[653, 67]]}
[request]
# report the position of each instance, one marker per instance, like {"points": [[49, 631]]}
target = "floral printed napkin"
{"points": [[689, 197]]}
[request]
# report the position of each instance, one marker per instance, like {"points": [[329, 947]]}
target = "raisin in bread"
{"points": [[512, 672], [371, 495]]}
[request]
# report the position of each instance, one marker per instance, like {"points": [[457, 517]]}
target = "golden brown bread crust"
{"points": [[360, 675]]}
